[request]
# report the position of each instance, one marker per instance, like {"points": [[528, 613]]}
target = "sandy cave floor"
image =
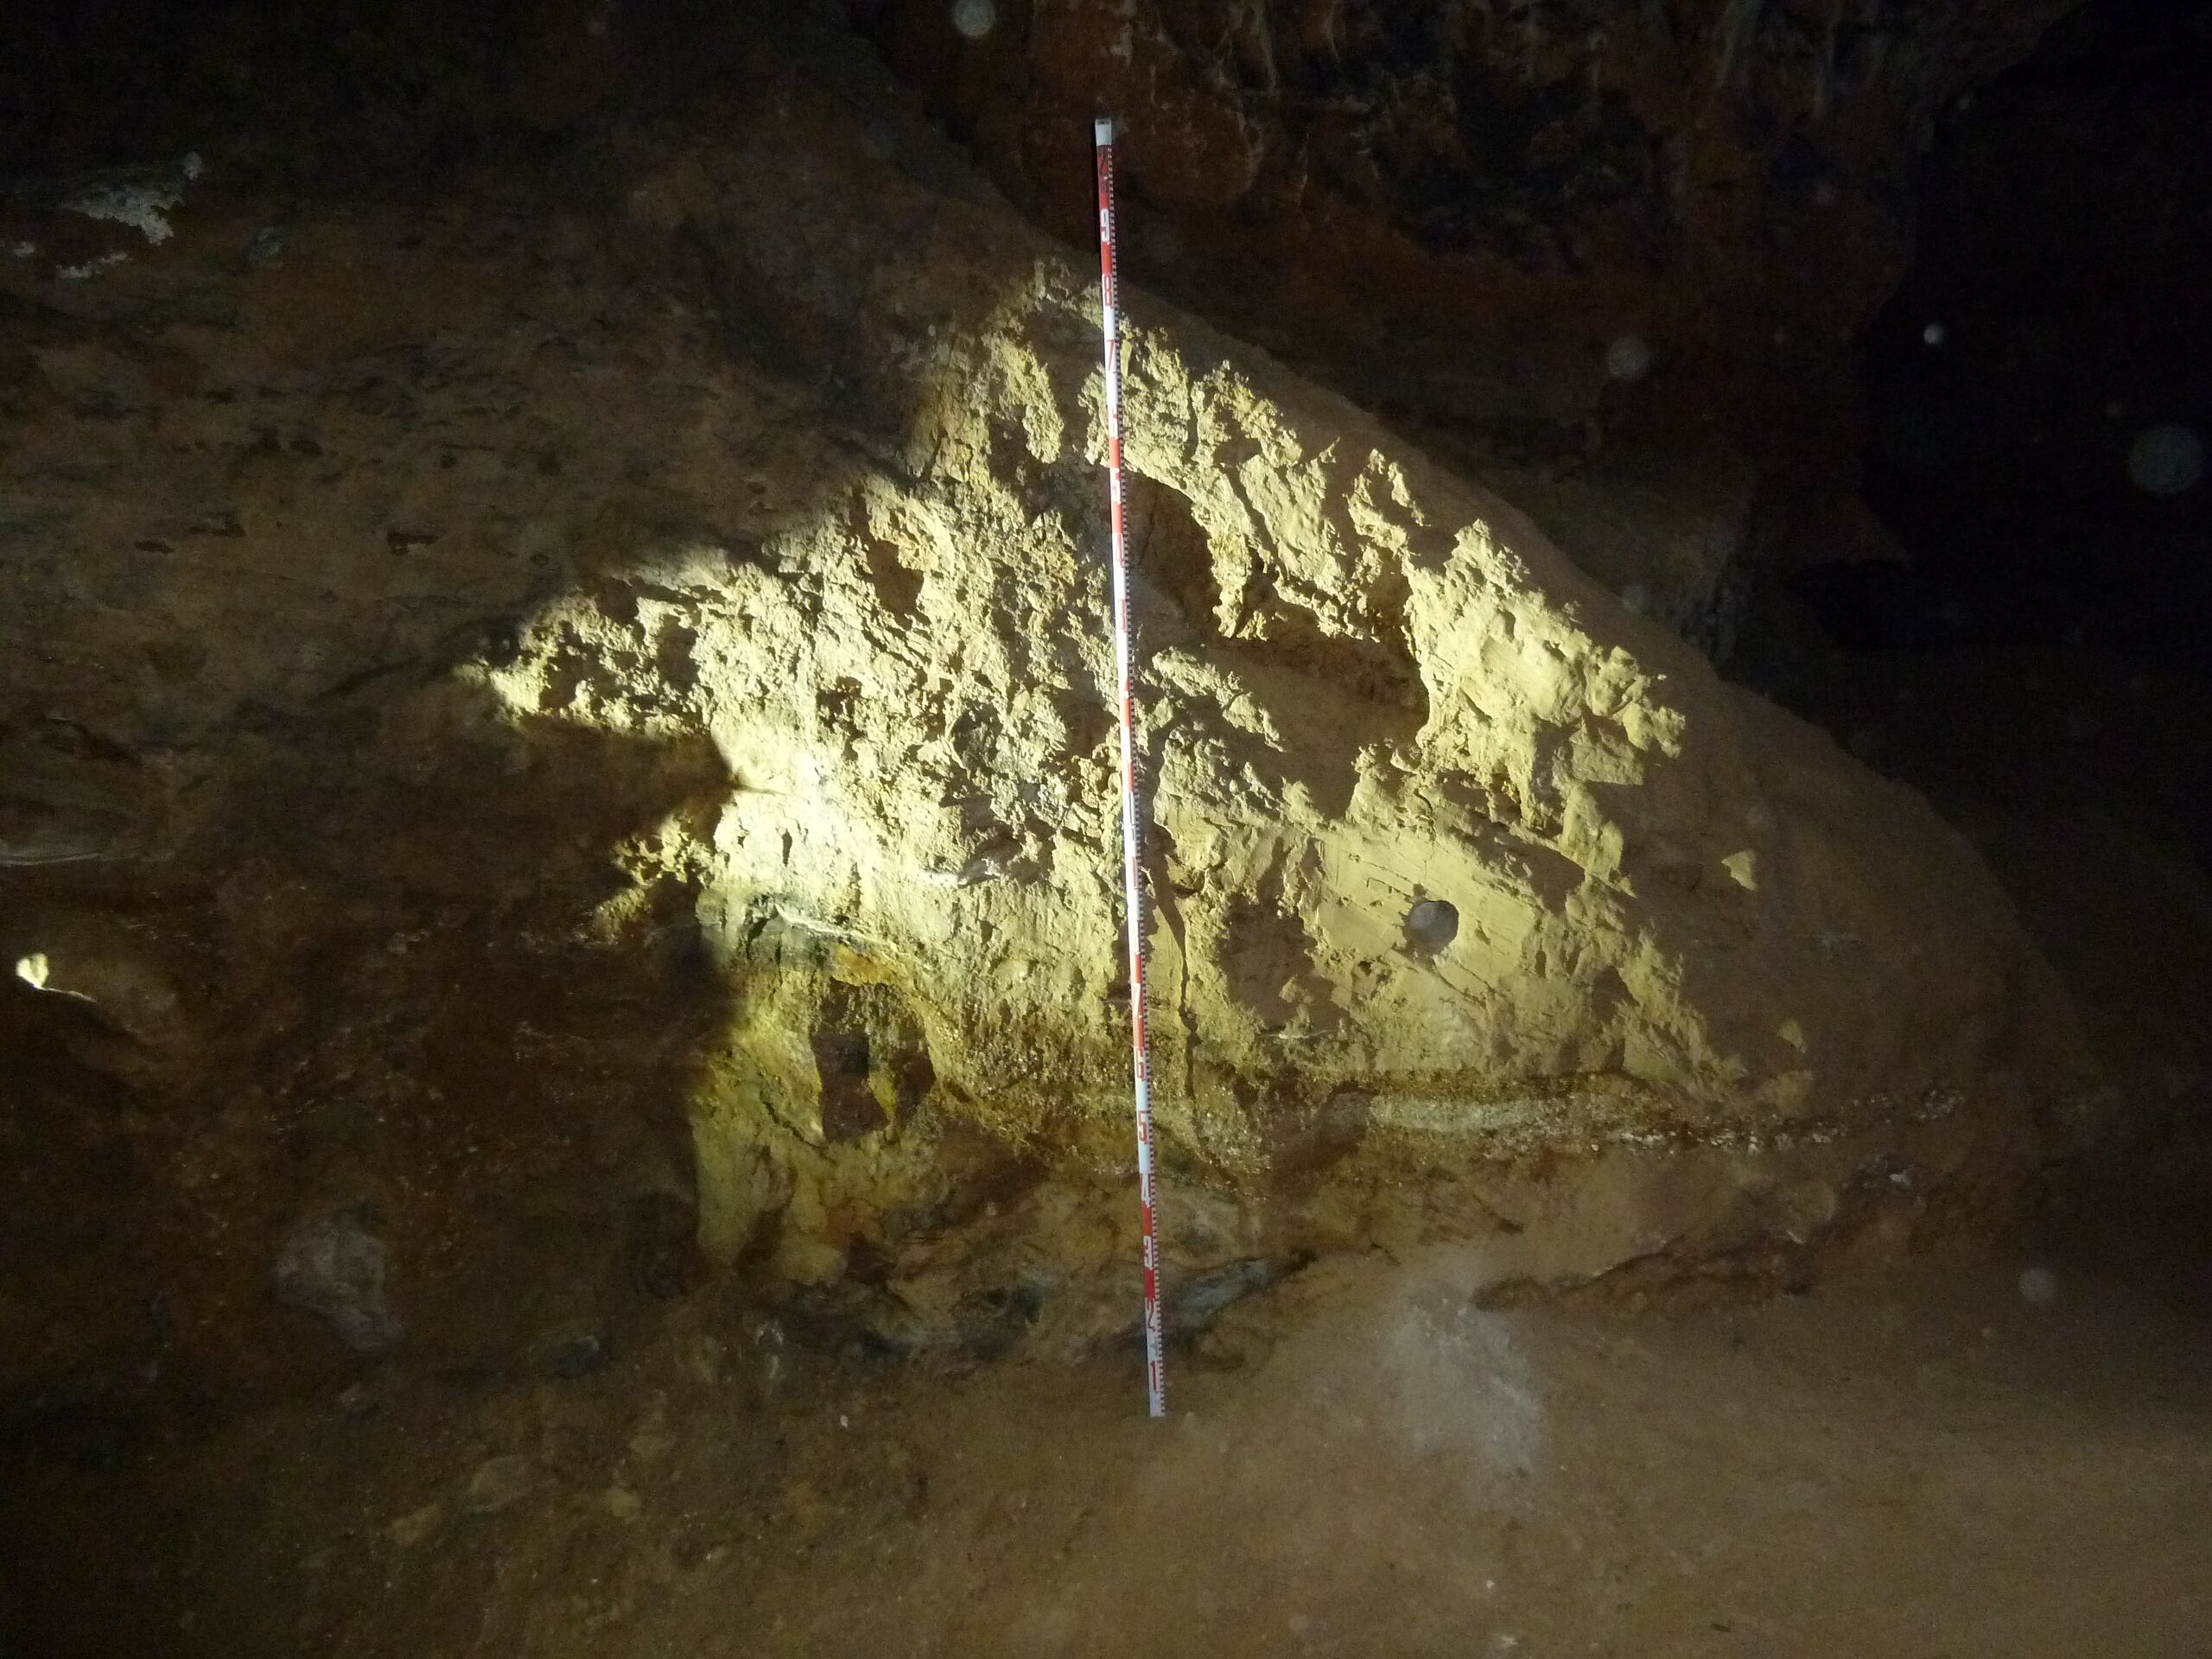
{"points": [[1361, 1461]]}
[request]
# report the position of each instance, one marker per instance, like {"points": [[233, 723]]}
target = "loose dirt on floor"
{"points": [[1366, 1461]]}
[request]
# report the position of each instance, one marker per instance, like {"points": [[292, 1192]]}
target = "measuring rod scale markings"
{"points": [[1155, 1370]]}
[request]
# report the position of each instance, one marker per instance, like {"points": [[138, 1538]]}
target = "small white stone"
{"points": [[91, 268], [2039, 1286], [143, 204], [1934, 333], [973, 18]]}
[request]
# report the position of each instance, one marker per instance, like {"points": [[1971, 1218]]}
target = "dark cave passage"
{"points": [[2027, 635], [2040, 387]]}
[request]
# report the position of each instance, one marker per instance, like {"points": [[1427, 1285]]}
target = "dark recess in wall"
{"points": [[2037, 379], [366, 97]]}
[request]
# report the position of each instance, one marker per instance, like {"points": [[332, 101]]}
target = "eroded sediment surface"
{"points": [[570, 719]]}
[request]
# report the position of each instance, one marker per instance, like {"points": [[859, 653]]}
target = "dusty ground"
{"points": [[1366, 1461], [1381, 1456]]}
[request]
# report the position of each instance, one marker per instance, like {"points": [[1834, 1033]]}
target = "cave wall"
{"points": [[558, 728], [1454, 210]]}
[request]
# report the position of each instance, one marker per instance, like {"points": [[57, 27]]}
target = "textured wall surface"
{"points": [[552, 724], [1454, 209]]}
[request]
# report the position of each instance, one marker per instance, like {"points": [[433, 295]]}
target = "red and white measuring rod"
{"points": [[1155, 1369]]}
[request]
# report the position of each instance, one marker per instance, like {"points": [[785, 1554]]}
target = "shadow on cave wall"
{"points": [[2042, 401], [363, 974], [2041, 387], [373, 989], [2025, 637]]}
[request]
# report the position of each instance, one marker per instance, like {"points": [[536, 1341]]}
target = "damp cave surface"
{"points": [[565, 1081]]}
